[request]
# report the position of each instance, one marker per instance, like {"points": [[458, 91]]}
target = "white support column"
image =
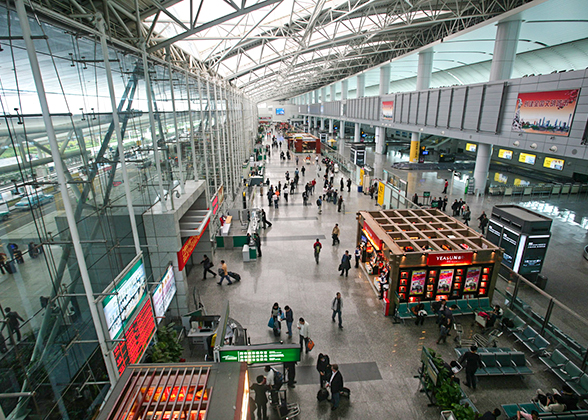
{"points": [[357, 137], [119, 137], [344, 89], [61, 181], [191, 119], [505, 50], [425, 69], [361, 85], [323, 95], [207, 173], [317, 96], [483, 157], [323, 124], [380, 139], [384, 80], [333, 92], [331, 125], [176, 131]]}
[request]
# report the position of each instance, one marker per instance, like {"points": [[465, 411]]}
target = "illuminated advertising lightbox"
{"points": [[280, 111], [472, 279], [445, 280], [534, 254], [498, 177], [137, 337], [545, 112], [509, 242], [553, 163], [471, 147], [388, 110], [164, 293], [417, 284], [453, 258], [125, 297], [505, 154], [527, 158]]}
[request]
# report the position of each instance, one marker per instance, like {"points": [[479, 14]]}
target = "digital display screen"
{"points": [[503, 179], [261, 355], [280, 111], [472, 279], [552, 163], [164, 293], [527, 158], [417, 285], [494, 232], [138, 335], [445, 280], [509, 243], [534, 255], [128, 293], [505, 154], [471, 147]]}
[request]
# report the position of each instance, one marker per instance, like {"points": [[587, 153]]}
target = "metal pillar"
{"points": [[344, 89], [212, 136], [178, 144], [204, 145], [59, 171], [384, 87], [152, 127], [220, 139], [333, 92], [331, 125], [357, 137], [323, 124], [360, 85], [425, 69], [119, 136], [505, 50], [191, 119], [483, 157], [380, 139]]}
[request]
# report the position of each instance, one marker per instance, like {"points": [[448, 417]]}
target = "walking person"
{"points": [[264, 219], [224, 273], [303, 330], [336, 385], [290, 367], [444, 203], [483, 222], [337, 307], [207, 264], [467, 215], [455, 207], [319, 204], [471, 360], [260, 389], [335, 234], [289, 317], [323, 365], [348, 185], [342, 183], [339, 203], [13, 320], [445, 188], [303, 170], [317, 250], [345, 264], [357, 256]]}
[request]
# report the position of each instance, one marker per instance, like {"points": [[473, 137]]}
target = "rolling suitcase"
{"points": [[277, 328], [10, 267], [322, 394], [345, 393], [234, 276]]}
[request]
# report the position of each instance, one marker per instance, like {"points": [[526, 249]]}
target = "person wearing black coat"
{"points": [[336, 385], [260, 389], [323, 365], [207, 264], [472, 362], [345, 264]]}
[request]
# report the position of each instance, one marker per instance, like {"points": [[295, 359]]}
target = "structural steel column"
{"points": [[505, 50], [425, 69], [333, 92], [119, 137], [323, 124], [207, 175], [191, 119], [360, 85], [384, 88], [331, 125], [344, 89], [324, 95], [60, 173], [357, 137], [483, 157], [178, 144]]}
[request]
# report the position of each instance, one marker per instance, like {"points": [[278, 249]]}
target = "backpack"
{"points": [[278, 379], [221, 272], [318, 202]]}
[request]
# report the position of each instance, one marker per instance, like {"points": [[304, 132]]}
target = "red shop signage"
{"points": [[454, 258], [372, 236], [187, 249]]}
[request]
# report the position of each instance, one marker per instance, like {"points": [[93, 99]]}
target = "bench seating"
{"points": [[581, 386], [568, 372], [460, 351], [505, 362], [464, 307], [510, 412], [555, 360], [537, 345]]}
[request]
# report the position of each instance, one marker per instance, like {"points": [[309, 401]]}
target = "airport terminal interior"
{"points": [[145, 144]]}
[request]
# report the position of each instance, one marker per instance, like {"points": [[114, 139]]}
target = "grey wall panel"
{"points": [[422, 109], [457, 107], [444, 108], [473, 107], [397, 108], [433, 108], [414, 103], [405, 106], [491, 108]]}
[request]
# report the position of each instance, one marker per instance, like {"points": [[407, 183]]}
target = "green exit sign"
{"points": [[261, 354]]}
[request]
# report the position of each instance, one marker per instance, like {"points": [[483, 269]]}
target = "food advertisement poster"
{"points": [[545, 112], [445, 280], [388, 110], [553, 163], [417, 284], [472, 279]]}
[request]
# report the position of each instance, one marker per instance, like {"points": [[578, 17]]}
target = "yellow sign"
{"points": [[500, 178], [414, 151], [470, 147], [381, 193], [527, 158], [553, 163], [361, 174], [505, 154]]}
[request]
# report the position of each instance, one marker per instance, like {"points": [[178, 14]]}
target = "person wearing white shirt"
{"points": [[304, 334], [269, 377]]}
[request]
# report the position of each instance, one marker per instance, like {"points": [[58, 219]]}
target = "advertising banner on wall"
{"points": [[545, 112], [388, 110], [185, 253], [164, 293]]}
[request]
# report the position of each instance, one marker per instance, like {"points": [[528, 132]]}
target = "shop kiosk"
{"points": [[425, 255], [303, 143]]}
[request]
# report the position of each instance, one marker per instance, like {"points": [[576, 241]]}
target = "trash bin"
{"points": [[541, 281], [246, 253]]}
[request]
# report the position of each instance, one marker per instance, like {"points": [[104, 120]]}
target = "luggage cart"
{"points": [[459, 340], [491, 340], [286, 411]]}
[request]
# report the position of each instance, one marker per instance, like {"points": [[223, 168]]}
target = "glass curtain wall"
{"points": [[49, 343]]}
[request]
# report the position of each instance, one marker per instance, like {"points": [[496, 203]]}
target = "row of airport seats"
{"points": [[500, 361], [568, 372], [510, 412], [531, 339], [464, 307]]}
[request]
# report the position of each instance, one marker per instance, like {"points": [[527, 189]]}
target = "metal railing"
{"points": [[543, 190]]}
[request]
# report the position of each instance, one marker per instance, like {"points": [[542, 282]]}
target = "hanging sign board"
{"points": [[185, 253], [453, 258]]}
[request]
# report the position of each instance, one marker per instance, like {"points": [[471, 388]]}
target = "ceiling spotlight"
{"points": [[553, 148], [533, 146], [516, 143]]}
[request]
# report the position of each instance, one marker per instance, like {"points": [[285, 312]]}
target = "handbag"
{"points": [[309, 344], [340, 267], [271, 322]]}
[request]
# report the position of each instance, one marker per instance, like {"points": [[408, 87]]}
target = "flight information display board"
{"points": [[255, 356], [137, 336]]}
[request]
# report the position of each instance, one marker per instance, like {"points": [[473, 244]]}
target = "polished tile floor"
{"points": [[288, 274]]}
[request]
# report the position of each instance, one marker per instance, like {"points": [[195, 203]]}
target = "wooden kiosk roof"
{"points": [[424, 228]]}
